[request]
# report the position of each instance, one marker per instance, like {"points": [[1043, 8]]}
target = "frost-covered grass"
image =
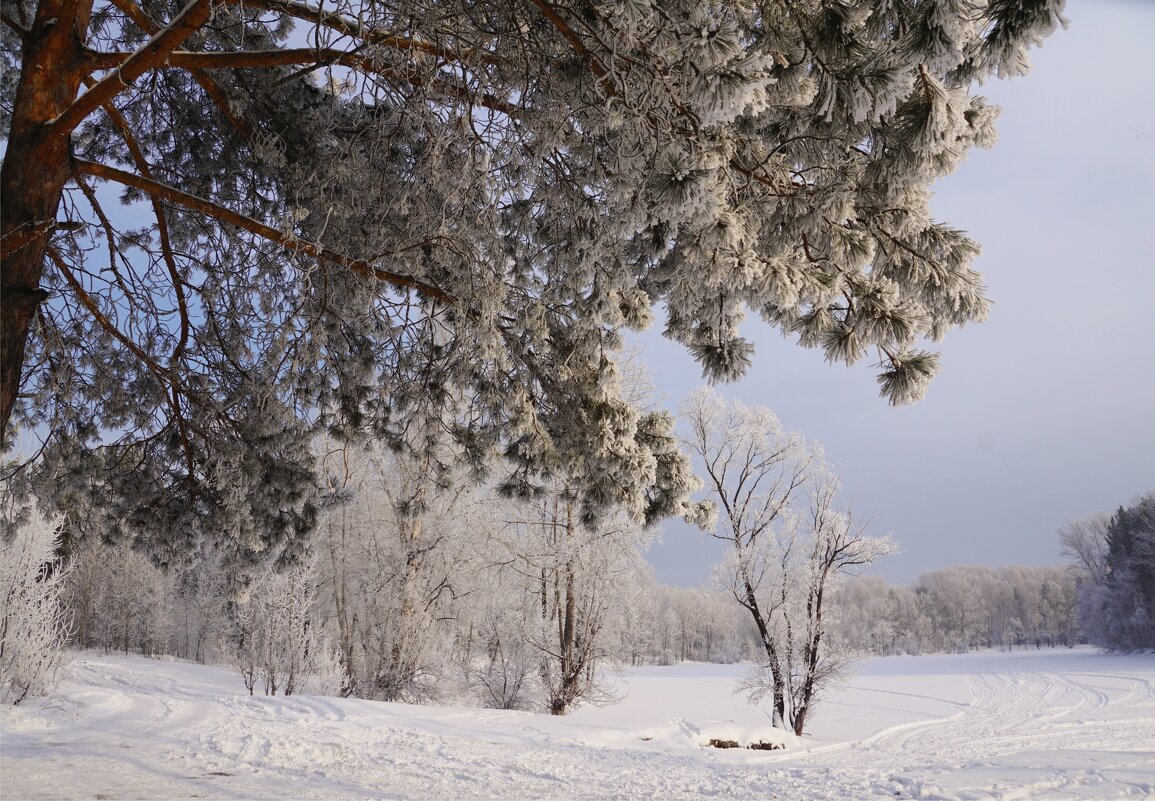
{"points": [[1052, 724]]}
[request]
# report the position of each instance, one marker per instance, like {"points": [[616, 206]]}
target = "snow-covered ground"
{"points": [[1054, 724]]}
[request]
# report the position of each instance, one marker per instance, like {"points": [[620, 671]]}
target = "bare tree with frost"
{"points": [[754, 471], [578, 580], [1084, 543], [338, 214], [399, 558], [823, 544], [789, 543], [278, 641], [34, 624]]}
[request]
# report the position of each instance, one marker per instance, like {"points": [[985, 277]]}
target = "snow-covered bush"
{"points": [[279, 645], [33, 624], [507, 674]]}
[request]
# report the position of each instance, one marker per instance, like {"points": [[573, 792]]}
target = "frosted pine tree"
{"points": [[1129, 596], [340, 215]]}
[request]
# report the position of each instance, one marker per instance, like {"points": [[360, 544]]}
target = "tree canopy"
{"points": [[380, 218]]}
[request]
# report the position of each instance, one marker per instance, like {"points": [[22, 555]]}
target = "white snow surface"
{"points": [[1050, 724]]}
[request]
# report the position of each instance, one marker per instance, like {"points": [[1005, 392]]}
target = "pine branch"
{"points": [[226, 215], [169, 377], [258, 59], [16, 27], [214, 90], [154, 53], [605, 78], [145, 170], [102, 320], [356, 29], [20, 238], [600, 72]]}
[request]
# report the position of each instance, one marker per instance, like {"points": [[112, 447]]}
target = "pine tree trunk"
{"points": [[36, 167]]}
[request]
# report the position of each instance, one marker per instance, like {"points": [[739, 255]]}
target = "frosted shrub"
{"points": [[277, 642], [33, 625], [507, 676], [326, 673]]}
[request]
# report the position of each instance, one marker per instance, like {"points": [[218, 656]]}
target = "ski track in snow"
{"points": [[1027, 734], [1056, 724]]}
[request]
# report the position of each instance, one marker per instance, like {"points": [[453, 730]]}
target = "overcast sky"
{"points": [[1044, 413]]}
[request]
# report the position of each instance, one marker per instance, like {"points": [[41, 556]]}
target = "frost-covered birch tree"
{"points": [[338, 214]]}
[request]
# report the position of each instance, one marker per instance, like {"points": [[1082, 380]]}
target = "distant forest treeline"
{"points": [[122, 602], [482, 602]]}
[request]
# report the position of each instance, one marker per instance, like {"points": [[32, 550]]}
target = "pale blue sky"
{"points": [[1047, 411]]}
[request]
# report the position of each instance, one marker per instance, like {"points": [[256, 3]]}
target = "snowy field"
{"points": [[1056, 724]]}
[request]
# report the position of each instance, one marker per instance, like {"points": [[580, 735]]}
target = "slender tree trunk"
{"points": [[814, 610], [570, 671], [346, 628], [566, 604], [767, 643], [789, 692], [771, 655], [404, 653], [36, 167]]}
